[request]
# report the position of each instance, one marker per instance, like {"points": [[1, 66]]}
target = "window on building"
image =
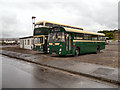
{"points": [[28, 42], [25, 42]]}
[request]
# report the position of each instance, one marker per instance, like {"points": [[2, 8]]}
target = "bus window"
{"points": [[101, 38], [94, 37], [38, 40], [41, 39], [87, 37], [35, 40], [37, 26], [78, 36], [57, 36]]}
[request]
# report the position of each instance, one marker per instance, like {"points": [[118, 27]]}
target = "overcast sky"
{"points": [[92, 15]]}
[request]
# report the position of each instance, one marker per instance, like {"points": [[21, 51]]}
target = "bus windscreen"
{"points": [[56, 37]]}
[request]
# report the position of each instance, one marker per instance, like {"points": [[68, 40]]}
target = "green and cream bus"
{"points": [[40, 39], [64, 41], [40, 34]]}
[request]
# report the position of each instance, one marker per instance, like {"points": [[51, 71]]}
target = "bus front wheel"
{"points": [[77, 52]]}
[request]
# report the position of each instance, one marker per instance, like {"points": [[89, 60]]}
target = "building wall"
{"points": [[26, 43], [116, 35]]}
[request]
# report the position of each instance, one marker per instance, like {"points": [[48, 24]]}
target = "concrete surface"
{"points": [[20, 74], [107, 57], [94, 70]]}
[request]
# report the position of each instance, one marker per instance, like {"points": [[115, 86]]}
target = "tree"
{"points": [[108, 33]]}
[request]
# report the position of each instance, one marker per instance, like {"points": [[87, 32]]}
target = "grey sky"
{"points": [[92, 15]]}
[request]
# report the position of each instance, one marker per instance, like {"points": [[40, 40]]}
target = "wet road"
{"points": [[21, 74]]}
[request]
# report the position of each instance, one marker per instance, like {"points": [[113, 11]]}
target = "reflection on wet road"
{"points": [[21, 74]]}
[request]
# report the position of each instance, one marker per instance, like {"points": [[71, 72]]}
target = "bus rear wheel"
{"points": [[77, 52], [98, 49]]}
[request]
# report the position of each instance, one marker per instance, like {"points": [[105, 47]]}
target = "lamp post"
{"points": [[33, 22]]}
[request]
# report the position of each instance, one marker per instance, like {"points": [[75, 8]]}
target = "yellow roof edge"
{"points": [[57, 23], [80, 31]]}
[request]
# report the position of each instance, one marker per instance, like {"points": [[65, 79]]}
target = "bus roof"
{"points": [[78, 31], [47, 23]]}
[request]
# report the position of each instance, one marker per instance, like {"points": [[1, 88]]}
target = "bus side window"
{"points": [[87, 37], [101, 38], [78, 36], [94, 37]]}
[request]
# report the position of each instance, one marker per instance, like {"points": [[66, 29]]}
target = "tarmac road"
{"points": [[21, 74]]}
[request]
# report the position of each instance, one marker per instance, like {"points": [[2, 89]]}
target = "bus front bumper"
{"points": [[54, 52]]}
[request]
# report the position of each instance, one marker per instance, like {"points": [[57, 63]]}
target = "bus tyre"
{"points": [[98, 49], [77, 52]]}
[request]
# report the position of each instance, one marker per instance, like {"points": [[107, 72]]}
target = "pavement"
{"points": [[20, 74], [91, 70]]}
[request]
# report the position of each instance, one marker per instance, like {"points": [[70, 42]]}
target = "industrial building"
{"points": [[116, 34], [9, 41]]}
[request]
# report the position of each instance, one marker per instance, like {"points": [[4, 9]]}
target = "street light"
{"points": [[33, 22]]}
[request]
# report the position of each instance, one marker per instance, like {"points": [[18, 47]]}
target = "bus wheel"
{"points": [[98, 49], [77, 52]]}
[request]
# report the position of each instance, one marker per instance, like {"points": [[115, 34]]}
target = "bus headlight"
{"points": [[48, 49], [60, 49], [59, 52]]}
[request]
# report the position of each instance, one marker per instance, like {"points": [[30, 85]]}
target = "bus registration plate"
{"points": [[54, 53]]}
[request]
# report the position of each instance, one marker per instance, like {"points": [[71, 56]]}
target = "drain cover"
{"points": [[103, 71]]}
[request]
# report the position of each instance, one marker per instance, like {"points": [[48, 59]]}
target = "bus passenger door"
{"points": [[68, 42], [45, 43]]}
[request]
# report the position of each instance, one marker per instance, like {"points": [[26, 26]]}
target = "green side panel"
{"points": [[89, 47], [85, 47], [55, 49], [40, 48]]}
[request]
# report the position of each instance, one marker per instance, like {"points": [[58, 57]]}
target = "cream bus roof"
{"points": [[47, 23], [80, 31]]}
